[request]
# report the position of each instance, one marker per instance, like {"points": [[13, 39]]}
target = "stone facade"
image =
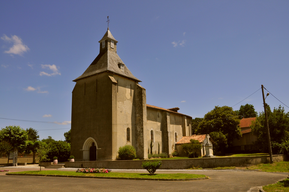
{"points": [[109, 111]]}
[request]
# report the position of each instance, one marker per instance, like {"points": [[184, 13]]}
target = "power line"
{"points": [[51, 129], [247, 97], [276, 97], [30, 120]]}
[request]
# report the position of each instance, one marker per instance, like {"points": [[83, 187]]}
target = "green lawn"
{"points": [[282, 166], [281, 186], [176, 176]]}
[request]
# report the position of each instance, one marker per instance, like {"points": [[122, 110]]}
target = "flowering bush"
{"points": [[93, 170], [4, 170]]}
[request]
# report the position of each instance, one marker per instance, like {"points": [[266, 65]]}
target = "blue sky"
{"points": [[194, 55]]}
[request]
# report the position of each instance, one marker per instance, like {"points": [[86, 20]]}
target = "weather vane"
{"points": [[107, 22]]}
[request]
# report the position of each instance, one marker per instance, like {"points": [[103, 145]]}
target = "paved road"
{"points": [[220, 181]]}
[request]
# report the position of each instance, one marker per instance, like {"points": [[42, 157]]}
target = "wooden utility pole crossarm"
{"points": [[267, 125]]}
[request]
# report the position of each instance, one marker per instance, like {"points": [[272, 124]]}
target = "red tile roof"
{"points": [[246, 131], [246, 122], [186, 139], [168, 110]]}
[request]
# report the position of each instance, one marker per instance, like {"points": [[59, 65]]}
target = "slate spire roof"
{"points": [[107, 60]]}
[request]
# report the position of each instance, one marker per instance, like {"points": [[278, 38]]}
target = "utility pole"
{"points": [[267, 125]]}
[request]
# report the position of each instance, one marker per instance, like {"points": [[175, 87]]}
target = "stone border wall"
{"points": [[178, 163]]}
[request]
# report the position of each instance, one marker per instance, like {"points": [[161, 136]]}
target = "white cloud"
{"points": [[4, 66], [47, 115], [29, 88], [62, 123], [183, 101], [53, 68], [179, 43], [175, 44], [30, 65], [182, 43], [39, 91], [18, 47], [184, 33]]}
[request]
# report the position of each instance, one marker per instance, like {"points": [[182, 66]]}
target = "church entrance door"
{"points": [[92, 152]]}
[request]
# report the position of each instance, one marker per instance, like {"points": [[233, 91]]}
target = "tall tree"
{"points": [[32, 144], [42, 152], [16, 137], [67, 136], [279, 128], [223, 120], [48, 140], [195, 124], [32, 134], [246, 111], [5, 148]]}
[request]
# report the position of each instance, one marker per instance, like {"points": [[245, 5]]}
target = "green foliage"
{"points": [[67, 136], [71, 157], [279, 129], [282, 186], [5, 148], [192, 149], [162, 155], [32, 146], [195, 124], [175, 153], [220, 143], [32, 134], [48, 140], [42, 152], [224, 120], [127, 152], [246, 111], [151, 166], [60, 149], [15, 136]]}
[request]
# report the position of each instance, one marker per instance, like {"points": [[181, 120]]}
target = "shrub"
{"points": [[192, 148], [175, 153], [71, 157], [54, 158], [127, 152], [151, 166], [162, 155]]}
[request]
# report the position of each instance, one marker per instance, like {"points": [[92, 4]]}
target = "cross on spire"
{"points": [[107, 22]]}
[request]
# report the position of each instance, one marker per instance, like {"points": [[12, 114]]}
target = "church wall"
{"points": [[92, 115], [154, 119], [125, 116]]}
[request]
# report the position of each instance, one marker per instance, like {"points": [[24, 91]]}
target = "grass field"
{"points": [[282, 166], [281, 186], [177, 176]]}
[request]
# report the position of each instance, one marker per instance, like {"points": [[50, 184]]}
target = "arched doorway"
{"points": [[90, 150]]}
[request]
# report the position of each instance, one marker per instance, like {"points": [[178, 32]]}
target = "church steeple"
{"points": [[108, 60], [108, 42]]}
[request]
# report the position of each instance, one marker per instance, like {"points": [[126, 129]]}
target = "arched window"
{"points": [[176, 137], [152, 135], [128, 134]]}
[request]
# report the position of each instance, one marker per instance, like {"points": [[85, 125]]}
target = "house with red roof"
{"points": [[206, 145], [246, 142]]}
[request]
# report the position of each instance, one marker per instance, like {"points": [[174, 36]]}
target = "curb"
{"points": [[96, 177]]}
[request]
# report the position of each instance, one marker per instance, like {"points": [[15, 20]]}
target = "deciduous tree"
{"points": [[16, 137], [246, 111], [279, 128], [223, 120]]}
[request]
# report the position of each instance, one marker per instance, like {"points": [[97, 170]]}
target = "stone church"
{"points": [[109, 111]]}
